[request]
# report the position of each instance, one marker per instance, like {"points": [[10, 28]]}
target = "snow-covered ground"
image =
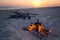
{"points": [[12, 29]]}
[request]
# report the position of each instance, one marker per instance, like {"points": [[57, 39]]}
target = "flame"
{"points": [[31, 27], [40, 28]]}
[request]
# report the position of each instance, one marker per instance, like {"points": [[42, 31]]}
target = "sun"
{"points": [[36, 3]]}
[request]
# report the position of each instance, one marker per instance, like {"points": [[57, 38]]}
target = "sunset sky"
{"points": [[29, 3]]}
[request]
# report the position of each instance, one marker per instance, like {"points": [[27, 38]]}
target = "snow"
{"points": [[12, 29]]}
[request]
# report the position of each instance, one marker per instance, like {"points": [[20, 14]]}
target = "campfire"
{"points": [[39, 28]]}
